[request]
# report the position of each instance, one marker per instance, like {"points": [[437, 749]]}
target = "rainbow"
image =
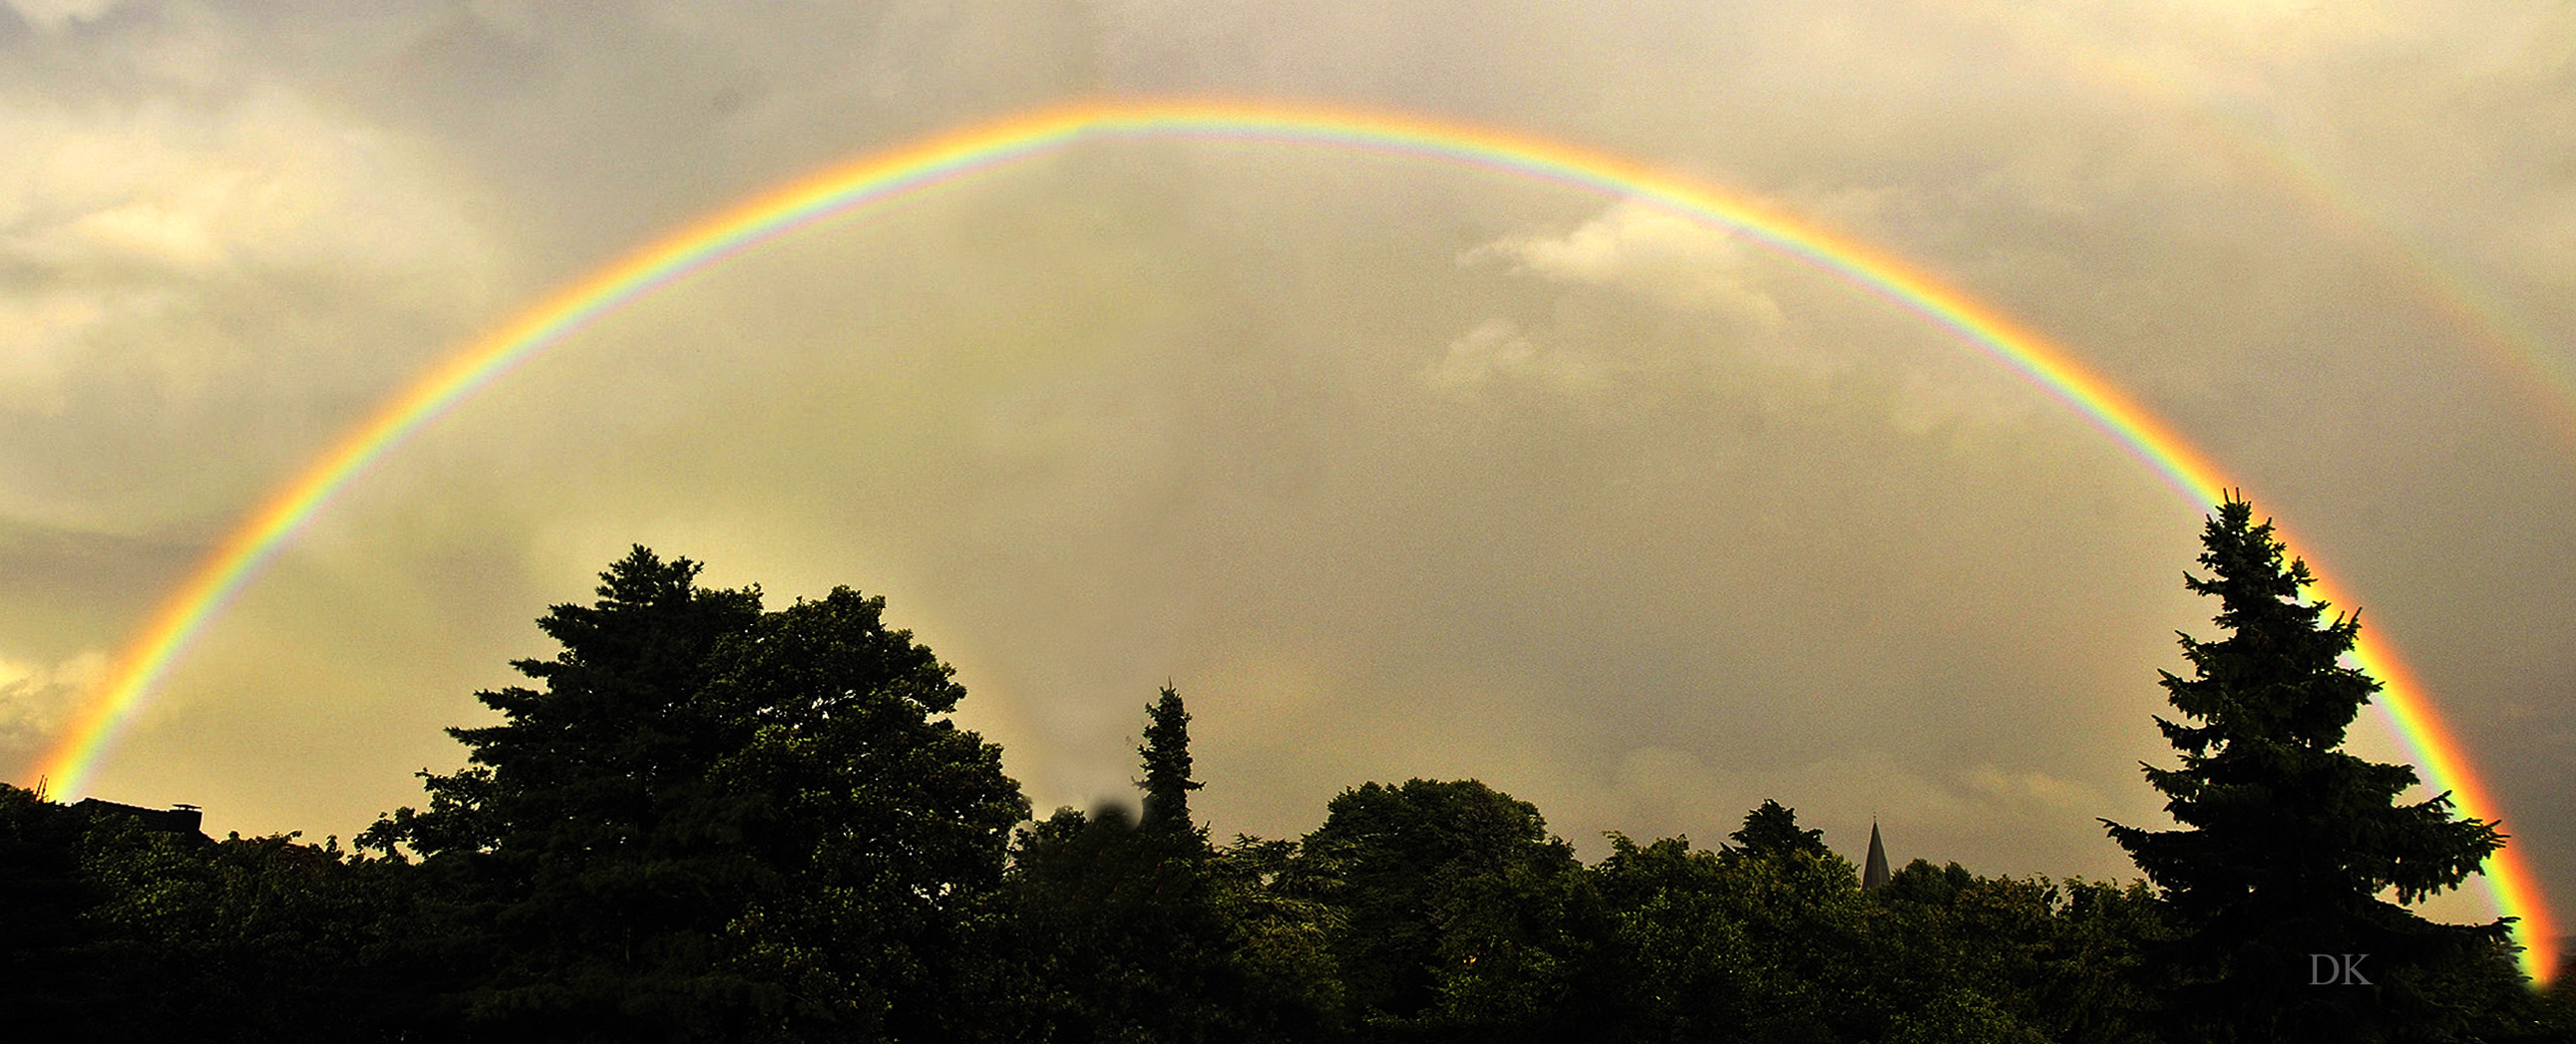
{"points": [[941, 159], [2540, 375]]}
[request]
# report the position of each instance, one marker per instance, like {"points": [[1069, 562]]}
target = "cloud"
{"points": [[1648, 251], [2033, 787], [161, 188], [230, 257], [1651, 785], [37, 699], [1496, 351], [42, 331], [54, 14]]}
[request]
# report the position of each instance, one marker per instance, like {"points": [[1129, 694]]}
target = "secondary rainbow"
{"points": [[2539, 373], [944, 158]]}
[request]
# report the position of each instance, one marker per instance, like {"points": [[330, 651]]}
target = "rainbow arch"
{"points": [[942, 158]]}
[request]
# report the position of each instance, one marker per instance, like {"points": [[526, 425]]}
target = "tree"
{"points": [[62, 966], [715, 822], [1166, 751], [1771, 830], [1137, 930], [1952, 953], [110, 930], [2288, 842], [1459, 916]]}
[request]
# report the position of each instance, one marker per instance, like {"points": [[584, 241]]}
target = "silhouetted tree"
{"points": [[1166, 752], [59, 969], [113, 931], [1129, 930], [716, 823], [1771, 830], [1739, 945], [1458, 914], [1958, 957], [2288, 842]]}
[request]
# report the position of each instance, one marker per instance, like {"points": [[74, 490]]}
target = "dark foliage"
{"points": [[1457, 915], [718, 823], [715, 823], [1166, 752], [2288, 843], [113, 931], [1121, 930], [1771, 830]]}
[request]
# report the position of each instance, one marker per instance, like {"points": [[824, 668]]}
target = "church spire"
{"points": [[1874, 873]]}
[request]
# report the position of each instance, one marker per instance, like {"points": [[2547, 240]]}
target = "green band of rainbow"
{"points": [[894, 173]]}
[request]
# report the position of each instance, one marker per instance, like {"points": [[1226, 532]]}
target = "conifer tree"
{"points": [[1166, 753], [2288, 842], [1121, 925]]}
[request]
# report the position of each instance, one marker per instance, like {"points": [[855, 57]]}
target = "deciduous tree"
{"points": [[1460, 915], [1772, 830], [716, 822]]}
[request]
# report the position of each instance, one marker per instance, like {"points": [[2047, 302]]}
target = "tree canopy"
{"points": [[1772, 830], [2288, 843], [711, 821], [715, 822]]}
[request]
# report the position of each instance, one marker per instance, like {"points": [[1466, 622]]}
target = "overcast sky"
{"points": [[1394, 470]]}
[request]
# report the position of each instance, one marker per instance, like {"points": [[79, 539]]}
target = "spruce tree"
{"points": [[1166, 753], [1118, 923], [2288, 842]]}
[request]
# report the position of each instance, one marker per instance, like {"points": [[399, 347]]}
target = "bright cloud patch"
{"points": [[2039, 788], [35, 699], [1497, 351], [1647, 251], [53, 14], [142, 216], [267, 181]]}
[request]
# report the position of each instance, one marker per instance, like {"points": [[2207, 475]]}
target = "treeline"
{"points": [[717, 822], [1426, 911]]}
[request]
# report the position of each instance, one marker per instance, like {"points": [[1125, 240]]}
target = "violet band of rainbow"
{"points": [[943, 158]]}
